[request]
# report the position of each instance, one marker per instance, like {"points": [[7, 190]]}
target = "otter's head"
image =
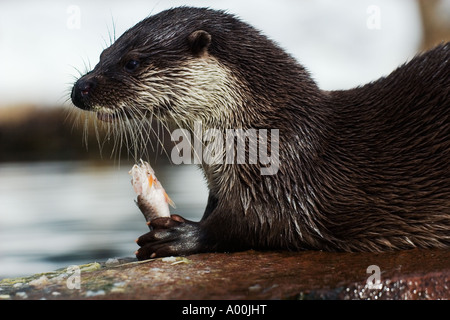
{"points": [[164, 66], [187, 65], [193, 64]]}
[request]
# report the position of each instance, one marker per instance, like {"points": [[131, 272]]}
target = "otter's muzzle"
{"points": [[81, 92]]}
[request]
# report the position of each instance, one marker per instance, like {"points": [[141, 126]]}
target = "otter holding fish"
{"points": [[153, 200], [365, 169]]}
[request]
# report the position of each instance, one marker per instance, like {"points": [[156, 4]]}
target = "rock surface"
{"points": [[413, 274]]}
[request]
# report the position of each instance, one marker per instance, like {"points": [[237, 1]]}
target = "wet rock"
{"points": [[40, 282], [413, 274]]}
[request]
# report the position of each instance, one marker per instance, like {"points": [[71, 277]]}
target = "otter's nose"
{"points": [[81, 92]]}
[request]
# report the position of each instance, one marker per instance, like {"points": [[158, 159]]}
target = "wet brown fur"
{"points": [[365, 169]]}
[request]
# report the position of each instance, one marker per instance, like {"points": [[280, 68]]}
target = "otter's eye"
{"points": [[131, 65]]}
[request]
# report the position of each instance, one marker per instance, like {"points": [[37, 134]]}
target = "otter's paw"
{"points": [[169, 237]]}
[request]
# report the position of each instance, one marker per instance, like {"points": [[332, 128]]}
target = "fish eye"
{"points": [[131, 65]]}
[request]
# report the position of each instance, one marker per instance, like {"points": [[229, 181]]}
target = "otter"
{"points": [[365, 169]]}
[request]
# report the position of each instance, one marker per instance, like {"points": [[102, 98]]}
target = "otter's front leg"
{"points": [[172, 236]]}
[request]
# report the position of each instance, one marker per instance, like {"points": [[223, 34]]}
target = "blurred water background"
{"points": [[60, 202], [60, 213]]}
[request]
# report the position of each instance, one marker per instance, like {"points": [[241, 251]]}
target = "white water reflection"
{"points": [[55, 214]]}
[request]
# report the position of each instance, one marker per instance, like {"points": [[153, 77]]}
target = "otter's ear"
{"points": [[199, 42]]}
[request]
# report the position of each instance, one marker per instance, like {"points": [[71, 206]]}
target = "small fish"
{"points": [[152, 200]]}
